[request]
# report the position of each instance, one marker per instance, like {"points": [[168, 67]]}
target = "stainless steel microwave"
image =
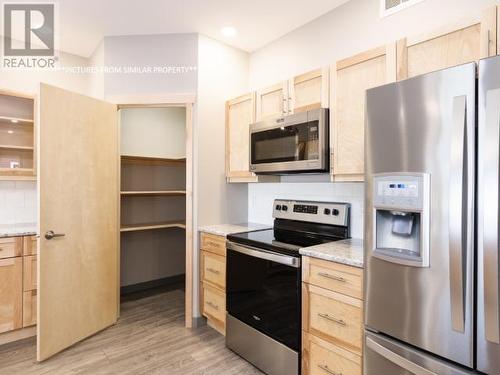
{"points": [[297, 143]]}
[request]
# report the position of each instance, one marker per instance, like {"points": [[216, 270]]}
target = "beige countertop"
{"points": [[349, 252], [226, 229], [16, 230]]}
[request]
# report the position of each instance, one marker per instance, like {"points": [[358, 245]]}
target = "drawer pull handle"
{"points": [[332, 319], [211, 243], [213, 305], [333, 277], [326, 369], [213, 271]]}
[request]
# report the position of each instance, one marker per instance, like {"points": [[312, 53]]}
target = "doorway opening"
{"points": [[155, 200]]}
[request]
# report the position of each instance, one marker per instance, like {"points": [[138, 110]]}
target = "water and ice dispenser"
{"points": [[401, 204]]}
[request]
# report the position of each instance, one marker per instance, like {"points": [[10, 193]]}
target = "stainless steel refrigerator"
{"points": [[431, 223]]}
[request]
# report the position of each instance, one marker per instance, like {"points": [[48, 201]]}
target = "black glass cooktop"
{"points": [[279, 240]]}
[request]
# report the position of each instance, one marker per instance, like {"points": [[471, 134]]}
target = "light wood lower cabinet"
{"points": [[18, 287], [320, 357], [11, 247], [29, 308], [29, 272], [213, 280], [332, 318], [11, 294]]}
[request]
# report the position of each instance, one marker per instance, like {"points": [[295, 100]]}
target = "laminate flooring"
{"points": [[149, 338]]}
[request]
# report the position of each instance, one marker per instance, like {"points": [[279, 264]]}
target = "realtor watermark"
{"points": [[29, 35]]}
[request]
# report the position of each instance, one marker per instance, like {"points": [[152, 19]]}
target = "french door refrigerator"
{"points": [[431, 223]]}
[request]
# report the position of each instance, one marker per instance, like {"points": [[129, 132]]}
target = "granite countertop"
{"points": [[226, 229], [16, 230], [349, 252]]}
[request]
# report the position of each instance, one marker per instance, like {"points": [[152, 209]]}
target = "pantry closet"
{"points": [[153, 197]]}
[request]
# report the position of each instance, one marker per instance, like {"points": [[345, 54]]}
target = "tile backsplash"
{"points": [[18, 203], [262, 195]]}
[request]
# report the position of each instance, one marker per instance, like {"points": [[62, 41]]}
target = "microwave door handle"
{"points": [[490, 210], [458, 212], [397, 359]]}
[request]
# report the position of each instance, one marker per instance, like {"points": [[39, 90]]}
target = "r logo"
{"points": [[28, 29]]}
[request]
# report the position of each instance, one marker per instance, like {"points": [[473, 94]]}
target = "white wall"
{"points": [[347, 30], [222, 74], [175, 50], [154, 132]]}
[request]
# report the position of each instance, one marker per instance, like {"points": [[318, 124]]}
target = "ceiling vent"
{"points": [[388, 7]]}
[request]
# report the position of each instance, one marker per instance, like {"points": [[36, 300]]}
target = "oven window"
{"points": [[288, 143], [265, 295]]}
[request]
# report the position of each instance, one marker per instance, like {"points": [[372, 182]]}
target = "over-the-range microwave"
{"points": [[298, 143]]}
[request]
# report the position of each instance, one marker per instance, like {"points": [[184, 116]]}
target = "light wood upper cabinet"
{"points": [[309, 91], [11, 294], [240, 113], [272, 101], [351, 78], [455, 44]]}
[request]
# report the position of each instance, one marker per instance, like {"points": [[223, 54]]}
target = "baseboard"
{"points": [[17, 335], [134, 288]]}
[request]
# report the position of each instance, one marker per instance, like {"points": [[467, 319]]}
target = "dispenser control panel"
{"points": [[400, 191]]}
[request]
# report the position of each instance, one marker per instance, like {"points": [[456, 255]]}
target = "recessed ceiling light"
{"points": [[10, 131], [228, 31], [14, 121]]}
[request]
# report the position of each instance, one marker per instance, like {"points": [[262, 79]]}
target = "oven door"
{"points": [[296, 143], [263, 291]]}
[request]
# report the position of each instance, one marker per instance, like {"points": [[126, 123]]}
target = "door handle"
{"points": [[397, 359], [458, 213], [50, 234], [489, 240]]}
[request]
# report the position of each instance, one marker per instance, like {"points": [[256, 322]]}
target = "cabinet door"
{"points": [[29, 272], [309, 91], [455, 44], [351, 78], [240, 113], [11, 294], [30, 245], [29, 308], [272, 101]]}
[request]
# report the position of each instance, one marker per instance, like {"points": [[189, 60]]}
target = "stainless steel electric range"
{"points": [[263, 282]]}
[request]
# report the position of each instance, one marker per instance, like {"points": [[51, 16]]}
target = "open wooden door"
{"points": [[78, 181]]}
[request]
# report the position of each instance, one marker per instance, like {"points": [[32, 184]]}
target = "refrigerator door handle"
{"points": [[397, 359], [458, 213], [490, 168]]}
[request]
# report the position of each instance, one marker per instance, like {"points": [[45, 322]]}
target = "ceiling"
{"points": [[83, 23]]}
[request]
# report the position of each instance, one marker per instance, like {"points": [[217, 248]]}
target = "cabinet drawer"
{"points": [[11, 294], [333, 276], [29, 272], [214, 304], [29, 308], [214, 244], [11, 247], [333, 316], [214, 269], [30, 245], [323, 358]]}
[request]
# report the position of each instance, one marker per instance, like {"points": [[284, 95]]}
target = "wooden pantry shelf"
{"points": [[15, 120], [17, 172], [146, 160], [151, 226], [14, 147], [153, 193]]}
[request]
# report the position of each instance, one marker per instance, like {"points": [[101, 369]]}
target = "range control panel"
{"points": [[316, 212]]}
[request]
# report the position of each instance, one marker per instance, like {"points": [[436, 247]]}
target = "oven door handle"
{"points": [[264, 254]]}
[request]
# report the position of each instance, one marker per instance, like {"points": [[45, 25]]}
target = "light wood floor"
{"points": [[149, 339]]}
